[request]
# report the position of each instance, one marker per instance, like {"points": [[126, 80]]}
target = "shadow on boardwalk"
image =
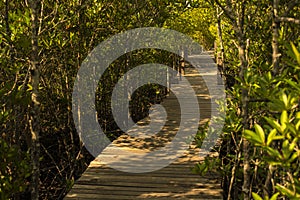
{"points": [[175, 181]]}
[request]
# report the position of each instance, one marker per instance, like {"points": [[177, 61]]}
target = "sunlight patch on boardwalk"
{"points": [[175, 181]]}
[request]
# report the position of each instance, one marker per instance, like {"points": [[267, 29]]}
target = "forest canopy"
{"points": [[43, 43]]}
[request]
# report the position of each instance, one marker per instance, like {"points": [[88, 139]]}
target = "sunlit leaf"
{"points": [[253, 137], [256, 196], [296, 52], [260, 132], [274, 124], [284, 117], [271, 136], [274, 196]]}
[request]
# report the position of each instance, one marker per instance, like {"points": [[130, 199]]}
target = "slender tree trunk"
{"points": [[268, 188], [237, 20], [220, 54], [35, 105], [275, 26], [233, 171], [244, 113], [219, 28], [244, 99], [244, 105]]}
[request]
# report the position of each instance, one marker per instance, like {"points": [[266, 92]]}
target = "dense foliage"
{"points": [[259, 153], [66, 31], [256, 47]]}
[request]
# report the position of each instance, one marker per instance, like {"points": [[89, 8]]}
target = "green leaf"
{"points": [[297, 125], [260, 132], [271, 136], [285, 99], [293, 157], [284, 118], [273, 152], [292, 128], [289, 193], [274, 196], [274, 124], [256, 196], [298, 115], [285, 149], [296, 52], [278, 137], [253, 137], [294, 85]]}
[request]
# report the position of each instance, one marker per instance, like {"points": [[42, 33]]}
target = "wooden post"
{"points": [[181, 63]]}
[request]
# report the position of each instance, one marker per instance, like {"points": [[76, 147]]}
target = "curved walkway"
{"points": [[176, 181]]}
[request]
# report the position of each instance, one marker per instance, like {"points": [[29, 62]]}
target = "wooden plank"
{"points": [[142, 194], [102, 178], [176, 181], [159, 196]]}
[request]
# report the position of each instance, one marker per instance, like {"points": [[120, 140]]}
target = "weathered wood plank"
{"points": [[175, 181]]}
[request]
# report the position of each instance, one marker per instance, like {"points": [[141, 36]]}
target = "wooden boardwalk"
{"points": [[175, 181]]}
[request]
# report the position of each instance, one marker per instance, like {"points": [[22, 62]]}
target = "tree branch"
{"points": [[288, 19], [228, 12]]}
